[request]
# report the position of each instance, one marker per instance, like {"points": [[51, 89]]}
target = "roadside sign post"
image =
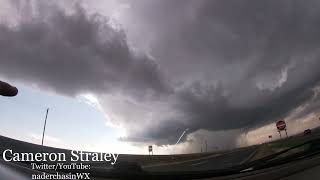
{"points": [[270, 138], [282, 126], [150, 150]]}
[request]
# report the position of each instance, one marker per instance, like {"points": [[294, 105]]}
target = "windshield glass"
{"points": [[158, 88]]}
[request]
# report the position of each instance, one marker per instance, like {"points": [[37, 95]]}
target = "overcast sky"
{"points": [[157, 67]]}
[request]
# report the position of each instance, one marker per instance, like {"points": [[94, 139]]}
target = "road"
{"points": [[300, 168], [220, 161]]}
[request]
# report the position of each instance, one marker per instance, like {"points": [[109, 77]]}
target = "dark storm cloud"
{"points": [[243, 63], [218, 65], [75, 53]]}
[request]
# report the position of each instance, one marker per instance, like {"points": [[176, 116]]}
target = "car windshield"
{"points": [[159, 89]]}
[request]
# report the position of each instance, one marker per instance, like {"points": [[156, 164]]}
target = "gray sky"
{"points": [[159, 67]]}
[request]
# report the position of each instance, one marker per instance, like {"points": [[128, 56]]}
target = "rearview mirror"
{"points": [[7, 90]]}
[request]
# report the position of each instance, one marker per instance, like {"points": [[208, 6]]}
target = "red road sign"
{"points": [[281, 125]]}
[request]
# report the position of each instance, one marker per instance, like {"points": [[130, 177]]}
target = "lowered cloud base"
{"points": [[197, 66]]}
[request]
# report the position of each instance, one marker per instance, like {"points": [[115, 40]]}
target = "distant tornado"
{"points": [[182, 135]]}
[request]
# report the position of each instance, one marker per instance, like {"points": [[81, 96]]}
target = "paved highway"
{"points": [[220, 161], [304, 167]]}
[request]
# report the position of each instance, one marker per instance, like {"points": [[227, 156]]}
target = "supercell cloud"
{"points": [[164, 66]]}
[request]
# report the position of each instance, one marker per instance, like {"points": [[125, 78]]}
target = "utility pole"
{"points": [[44, 127], [206, 145]]}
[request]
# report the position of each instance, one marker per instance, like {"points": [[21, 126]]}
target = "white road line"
{"points": [[203, 162], [181, 162]]}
